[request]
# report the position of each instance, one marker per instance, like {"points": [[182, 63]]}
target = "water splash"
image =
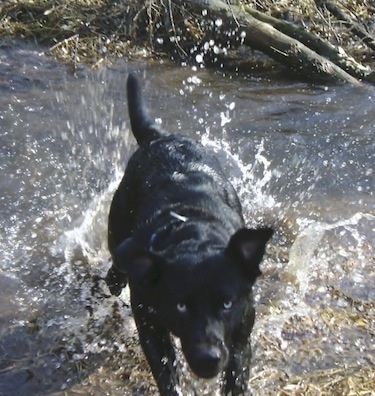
{"points": [[252, 181], [344, 247]]}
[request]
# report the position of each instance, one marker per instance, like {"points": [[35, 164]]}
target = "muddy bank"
{"points": [[335, 36]]}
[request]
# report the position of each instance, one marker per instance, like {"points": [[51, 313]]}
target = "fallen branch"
{"points": [[324, 48], [264, 37]]}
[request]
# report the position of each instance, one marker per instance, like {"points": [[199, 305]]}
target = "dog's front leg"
{"points": [[237, 372], [159, 351]]}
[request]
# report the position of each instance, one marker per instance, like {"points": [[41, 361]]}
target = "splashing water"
{"points": [[252, 189]]}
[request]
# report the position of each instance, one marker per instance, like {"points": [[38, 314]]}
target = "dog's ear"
{"points": [[247, 247], [143, 267]]}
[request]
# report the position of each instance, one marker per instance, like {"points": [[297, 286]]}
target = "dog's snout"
{"points": [[207, 362]]}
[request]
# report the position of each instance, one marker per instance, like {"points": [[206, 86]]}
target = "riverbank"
{"points": [[96, 32]]}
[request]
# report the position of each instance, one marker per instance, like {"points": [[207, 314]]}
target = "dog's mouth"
{"points": [[207, 361]]}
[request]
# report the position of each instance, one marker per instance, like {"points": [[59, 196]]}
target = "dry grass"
{"points": [[86, 31]]}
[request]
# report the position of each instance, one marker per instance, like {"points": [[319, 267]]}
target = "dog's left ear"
{"points": [[142, 267], [247, 247]]}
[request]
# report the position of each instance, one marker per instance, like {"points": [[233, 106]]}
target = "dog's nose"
{"points": [[207, 362]]}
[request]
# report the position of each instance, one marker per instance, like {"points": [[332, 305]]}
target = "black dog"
{"points": [[176, 233]]}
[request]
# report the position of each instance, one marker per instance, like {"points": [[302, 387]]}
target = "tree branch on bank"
{"points": [[324, 48], [271, 39]]}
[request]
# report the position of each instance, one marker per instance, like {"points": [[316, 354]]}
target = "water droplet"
{"points": [[199, 58]]}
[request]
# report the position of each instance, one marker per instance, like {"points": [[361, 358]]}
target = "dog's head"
{"points": [[203, 302]]}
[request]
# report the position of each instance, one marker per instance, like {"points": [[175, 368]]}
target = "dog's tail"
{"points": [[143, 126]]}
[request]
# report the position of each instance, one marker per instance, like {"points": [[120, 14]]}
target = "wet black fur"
{"points": [[177, 236]]}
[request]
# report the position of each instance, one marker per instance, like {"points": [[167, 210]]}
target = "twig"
{"points": [[65, 41], [342, 16], [174, 28]]}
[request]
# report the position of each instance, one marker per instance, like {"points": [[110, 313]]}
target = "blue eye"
{"points": [[181, 307], [227, 305]]}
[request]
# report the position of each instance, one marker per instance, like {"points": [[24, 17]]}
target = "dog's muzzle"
{"points": [[207, 360]]}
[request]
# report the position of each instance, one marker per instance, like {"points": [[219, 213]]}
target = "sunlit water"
{"points": [[302, 159]]}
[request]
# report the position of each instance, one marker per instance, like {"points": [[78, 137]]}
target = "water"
{"points": [[302, 160]]}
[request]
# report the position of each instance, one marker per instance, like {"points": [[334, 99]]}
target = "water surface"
{"points": [[302, 160]]}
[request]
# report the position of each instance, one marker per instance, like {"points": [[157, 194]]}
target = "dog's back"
{"points": [[170, 173]]}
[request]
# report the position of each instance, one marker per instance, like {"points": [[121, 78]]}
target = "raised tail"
{"points": [[143, 126]]}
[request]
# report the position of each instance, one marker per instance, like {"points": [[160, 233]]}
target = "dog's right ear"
{"points": [[247, 247], [142, 267]]}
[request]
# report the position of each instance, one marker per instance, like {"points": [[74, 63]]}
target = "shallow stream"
{"points": [[302, 158]]}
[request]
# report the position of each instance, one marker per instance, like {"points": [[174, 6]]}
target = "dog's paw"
{"points": [[115, 281]]}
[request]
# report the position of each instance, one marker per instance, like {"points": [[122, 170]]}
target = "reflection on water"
{"points": [[302, 160]]}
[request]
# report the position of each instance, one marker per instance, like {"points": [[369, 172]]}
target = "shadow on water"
{"points": [[301, 158]]}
